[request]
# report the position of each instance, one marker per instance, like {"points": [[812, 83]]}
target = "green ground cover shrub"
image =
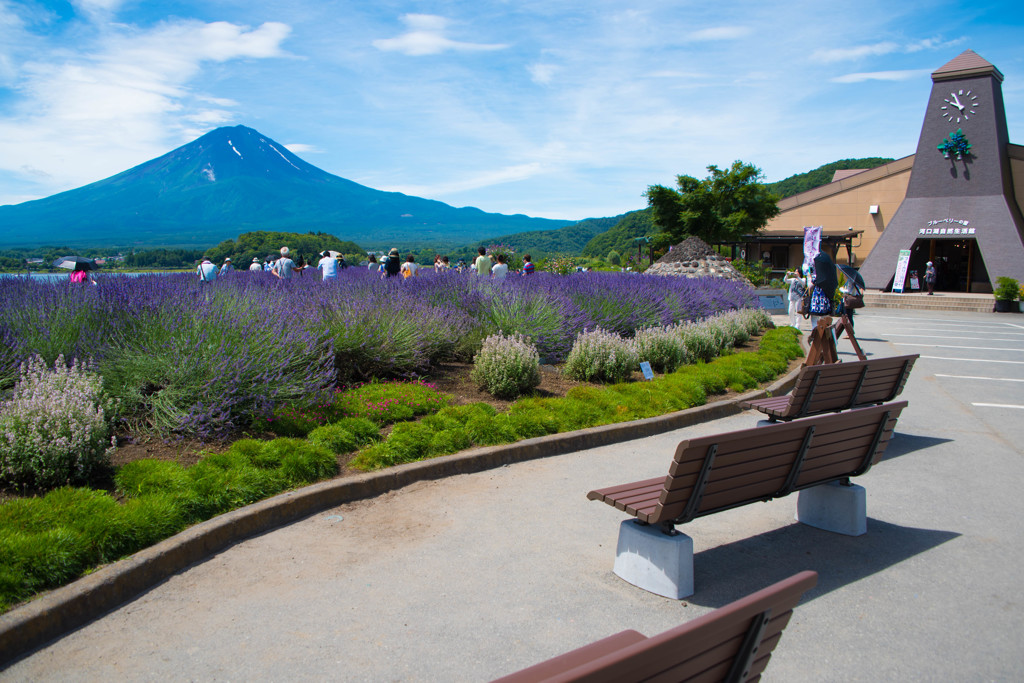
{"points": [[380, 403], [345, 435], [50, 540], [587, 406]]}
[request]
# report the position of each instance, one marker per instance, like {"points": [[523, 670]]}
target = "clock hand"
{"points": [[956, 102]]}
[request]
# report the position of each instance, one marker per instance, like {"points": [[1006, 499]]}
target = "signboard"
{"points": [[772, 302], [645, 368], [812, 244], [901, 271], [915, 284]]}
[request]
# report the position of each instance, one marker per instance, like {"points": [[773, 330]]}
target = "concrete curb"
{"points": [[54, 614]]}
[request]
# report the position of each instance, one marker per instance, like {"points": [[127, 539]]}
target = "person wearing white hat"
{"points": [[930, 277], [284, 266], [226, 268], [255, 266]]}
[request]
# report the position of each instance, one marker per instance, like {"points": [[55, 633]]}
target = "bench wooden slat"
{"points": [[757, 464], [834, 387], [570, 660], [700, 650]]}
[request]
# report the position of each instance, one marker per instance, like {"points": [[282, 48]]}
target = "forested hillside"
{"points": [[260, 244], [620, 236], [822, 175]]}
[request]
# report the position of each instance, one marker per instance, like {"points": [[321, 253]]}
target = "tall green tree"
{"points": [[724, 206]]}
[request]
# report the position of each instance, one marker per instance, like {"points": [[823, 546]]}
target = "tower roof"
{"points": [[967, 63]]}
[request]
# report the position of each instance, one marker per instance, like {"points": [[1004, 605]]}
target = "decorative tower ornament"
{"points": [[955, 144]]}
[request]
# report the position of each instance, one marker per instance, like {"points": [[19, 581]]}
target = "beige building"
{"points": [[958, 207]]}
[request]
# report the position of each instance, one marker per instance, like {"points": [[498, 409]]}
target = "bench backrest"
{"points": [[839, 386], [732, 643], [723, 471]]}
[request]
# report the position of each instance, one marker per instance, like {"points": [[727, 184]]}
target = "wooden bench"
{"points": [[732, 643], [838, 386], [710, 474]]}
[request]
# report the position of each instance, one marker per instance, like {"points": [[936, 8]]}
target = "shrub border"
{"points": [[62, 610]]}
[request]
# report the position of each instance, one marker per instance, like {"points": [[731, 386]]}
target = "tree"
{"points": [[723, 206]]}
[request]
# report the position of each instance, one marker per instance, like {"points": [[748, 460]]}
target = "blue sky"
{"points": [[554, 108]]}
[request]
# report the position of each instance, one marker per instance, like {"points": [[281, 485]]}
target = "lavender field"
{"points": [[203, 359]]}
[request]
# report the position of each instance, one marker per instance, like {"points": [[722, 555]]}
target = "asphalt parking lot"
{"points": [[475, 576]]}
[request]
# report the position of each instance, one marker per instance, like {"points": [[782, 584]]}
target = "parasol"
{"points": [[851, 273], [75, 263]]}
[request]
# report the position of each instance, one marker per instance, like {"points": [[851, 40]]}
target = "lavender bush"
{"points": [[55, 430], [507, 367], [601, 356], [205, 360]]}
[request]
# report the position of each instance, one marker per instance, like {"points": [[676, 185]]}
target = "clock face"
{"points": [[961, 105]]}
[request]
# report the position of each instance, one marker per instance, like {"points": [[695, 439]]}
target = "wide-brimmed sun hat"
{"points": [[284, 251], [256, 259], [393, 252]]}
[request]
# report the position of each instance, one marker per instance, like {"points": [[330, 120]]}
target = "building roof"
{"points": [[846, 173], [794, 236], [967, 63]]}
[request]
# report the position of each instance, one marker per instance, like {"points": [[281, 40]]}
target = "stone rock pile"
{"points": [[694, 258]]}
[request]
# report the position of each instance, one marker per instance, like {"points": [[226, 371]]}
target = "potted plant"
{"points": [[1006, 292]]}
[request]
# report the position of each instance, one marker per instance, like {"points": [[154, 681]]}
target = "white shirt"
{"points": [[499, 271], [329, 265], [207, 271]]}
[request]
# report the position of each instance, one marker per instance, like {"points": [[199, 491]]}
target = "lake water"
{"points": [[56, 277]]}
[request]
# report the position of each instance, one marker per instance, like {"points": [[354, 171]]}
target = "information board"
{"points": [[645, 368], [901, 271]]}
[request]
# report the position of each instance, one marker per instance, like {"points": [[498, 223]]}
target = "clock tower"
{"points": [[960, 197]]}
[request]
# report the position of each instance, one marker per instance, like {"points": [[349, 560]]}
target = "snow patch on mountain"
{"points": [[209, 174], [284, 157], [236, 151]]}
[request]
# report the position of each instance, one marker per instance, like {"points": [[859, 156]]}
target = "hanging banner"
{"points": [[901, 271], [812, 245]]}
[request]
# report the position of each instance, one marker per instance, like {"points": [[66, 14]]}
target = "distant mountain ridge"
{"points": [[234, 180]]}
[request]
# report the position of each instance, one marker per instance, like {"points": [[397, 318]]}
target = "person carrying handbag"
{"points": [[824, 290]]}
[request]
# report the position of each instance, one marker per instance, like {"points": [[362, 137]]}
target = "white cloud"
{"points": [[426, 37], [123, 101], [500, 176], [904, 75], [542, 74], [300, 148], [720, 33], [843, 54]]}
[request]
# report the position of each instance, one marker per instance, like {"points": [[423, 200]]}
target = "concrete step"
{"points": [[940, 301]]}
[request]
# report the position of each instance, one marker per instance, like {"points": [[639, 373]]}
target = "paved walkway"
{"points": [[478, 575]]}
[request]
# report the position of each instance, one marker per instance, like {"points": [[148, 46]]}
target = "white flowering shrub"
{"points": [[54, 431], [601, 356], [662, 347], [732, 329], [701, 342], [507, 367]]}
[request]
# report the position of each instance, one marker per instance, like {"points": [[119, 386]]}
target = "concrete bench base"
{"points": [[654, 561], [834, 507]]}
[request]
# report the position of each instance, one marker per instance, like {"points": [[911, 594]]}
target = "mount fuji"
{"points": [[234, 180]]}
